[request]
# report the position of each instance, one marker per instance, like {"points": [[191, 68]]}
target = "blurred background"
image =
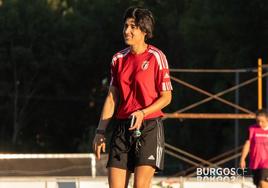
{"points": [[55, 70]]}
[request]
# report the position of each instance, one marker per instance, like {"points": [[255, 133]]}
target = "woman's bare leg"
{"points": [[143, 176], [263, 184], [118, 178]]}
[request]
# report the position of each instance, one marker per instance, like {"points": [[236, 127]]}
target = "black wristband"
{"points": [[100, 131]]}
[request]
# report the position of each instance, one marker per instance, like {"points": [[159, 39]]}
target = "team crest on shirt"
{"points": [[145, 65]]}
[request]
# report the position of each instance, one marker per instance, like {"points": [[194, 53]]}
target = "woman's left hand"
{"points": [[139, 116]]}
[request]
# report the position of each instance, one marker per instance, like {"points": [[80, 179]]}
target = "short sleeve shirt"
{"points": [[139, 79]]}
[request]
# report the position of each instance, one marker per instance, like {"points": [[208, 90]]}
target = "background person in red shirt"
{"points": [[140, 87], [257, 147]]}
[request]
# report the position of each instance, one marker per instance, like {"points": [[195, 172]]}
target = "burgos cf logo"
{"points": [[145, 65]]}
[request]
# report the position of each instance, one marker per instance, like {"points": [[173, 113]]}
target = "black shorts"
{"points": [[260, 175], [127, 152]]}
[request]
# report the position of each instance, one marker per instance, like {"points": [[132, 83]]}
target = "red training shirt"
{"points": [[139, 79]]}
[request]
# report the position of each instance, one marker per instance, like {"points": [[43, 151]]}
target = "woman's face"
{"points": [[262, 120], [132, 33]]}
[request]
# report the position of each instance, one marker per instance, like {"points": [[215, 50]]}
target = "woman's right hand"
{"points": [[243, 164], [99, 145]]}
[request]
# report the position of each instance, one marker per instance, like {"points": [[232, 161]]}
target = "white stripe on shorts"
{"points": [[159, 149]]}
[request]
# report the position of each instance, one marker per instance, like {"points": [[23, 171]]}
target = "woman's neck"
{"points": [[139, 49]]}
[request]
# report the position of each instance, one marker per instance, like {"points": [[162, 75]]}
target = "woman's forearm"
{"points": [[108, 108], [245, 150]]}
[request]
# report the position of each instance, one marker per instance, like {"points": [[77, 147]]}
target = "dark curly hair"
{"points": [[143, 19]]}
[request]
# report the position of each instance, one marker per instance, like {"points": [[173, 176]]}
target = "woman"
{"points": [[140, 87], [257, 146]]}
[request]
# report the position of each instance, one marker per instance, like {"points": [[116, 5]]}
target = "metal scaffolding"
{"points": [[247, 114]]}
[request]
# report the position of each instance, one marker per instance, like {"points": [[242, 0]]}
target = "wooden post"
{"points": [[259, 83]]}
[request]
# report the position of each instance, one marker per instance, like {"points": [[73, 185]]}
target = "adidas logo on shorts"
{"points": [[151, 157]]}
